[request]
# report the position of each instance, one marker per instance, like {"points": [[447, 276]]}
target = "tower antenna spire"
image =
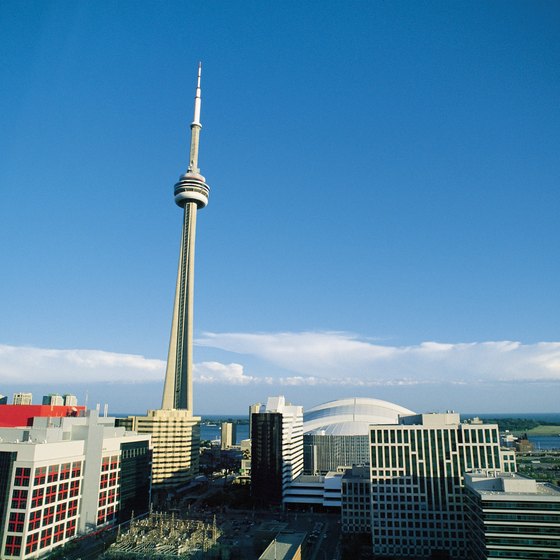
{"points": [[191, 194], [196, 126]]}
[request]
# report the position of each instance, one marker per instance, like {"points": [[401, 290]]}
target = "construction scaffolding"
{"points": [[163, 536]]}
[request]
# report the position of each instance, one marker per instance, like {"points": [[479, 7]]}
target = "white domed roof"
{"points": [[351, 416]]}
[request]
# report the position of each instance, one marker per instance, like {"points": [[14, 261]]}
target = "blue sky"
{"points": [[383, 217]]}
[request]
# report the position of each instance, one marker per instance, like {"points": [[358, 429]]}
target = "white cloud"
{"points": [[216, 372], [345, 359], [304, 359], [29, 365]]}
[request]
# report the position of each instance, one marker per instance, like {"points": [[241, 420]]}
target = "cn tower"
{"points": [[191, 194]]}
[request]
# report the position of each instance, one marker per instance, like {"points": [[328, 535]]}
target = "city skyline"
{"points": [[383, 222]]}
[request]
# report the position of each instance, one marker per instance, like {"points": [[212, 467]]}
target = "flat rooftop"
{"points": [[284, 546]]}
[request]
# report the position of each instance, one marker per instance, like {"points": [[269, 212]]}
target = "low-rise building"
{"points": [[287, 545], [315, 490], [512, 516]]}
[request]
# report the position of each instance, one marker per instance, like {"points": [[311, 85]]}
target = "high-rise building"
{"points": [[64, 476], [417, 487], [276, 449], [176, 430], [53, 399], [22, 398], [228, 434], [511, 516], [70, 400]]}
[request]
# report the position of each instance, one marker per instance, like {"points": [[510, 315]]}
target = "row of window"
{"points": [[46, 495], [40, 539], [50, 474], [42, 518]]}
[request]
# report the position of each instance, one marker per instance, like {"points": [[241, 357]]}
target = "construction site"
{"points": [[164, 536]]}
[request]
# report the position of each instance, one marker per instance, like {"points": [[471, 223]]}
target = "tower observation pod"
{"points": [[191, 194]]}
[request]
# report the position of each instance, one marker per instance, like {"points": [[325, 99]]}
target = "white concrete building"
{"points": [[228, 434], [315, 490], [22, 398], [511, 516], [65, 476]]}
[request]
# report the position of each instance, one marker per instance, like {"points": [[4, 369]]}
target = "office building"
{"points": [[3, 399], [511, 516], [65, 476], [228, 434], [276, 449], [336, 433], [176, 431], [417, 472]]}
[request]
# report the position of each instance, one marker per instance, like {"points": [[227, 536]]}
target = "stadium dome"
{"points": [[350, 417]]}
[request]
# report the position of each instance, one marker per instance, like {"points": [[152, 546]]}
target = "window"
{"points": [[76, 469], [16, 522], [63, 491], [105, 464], [48, 515], [58, 534], [72, 508], [65, 471], [40, 475], [32, 541], [34, 520], [19, 499], [111, 495], [104, 483], [60, 512], [37, 497], [53, 474], [13, 545], [114, 462], [50, 495], [74, 488], [46, 535], [102, 499], [110, 513], [113, 479], [70, 528], [22, 476]]}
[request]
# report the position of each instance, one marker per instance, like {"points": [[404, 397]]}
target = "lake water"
{"points": [[212, 432], [208, 432]]}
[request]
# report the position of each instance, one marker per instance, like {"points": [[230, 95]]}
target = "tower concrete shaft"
{"points": [[191, 193]]}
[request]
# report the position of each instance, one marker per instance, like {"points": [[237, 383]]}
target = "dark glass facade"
{"points": [[266, 457], [7, 459], [135, 481]]}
